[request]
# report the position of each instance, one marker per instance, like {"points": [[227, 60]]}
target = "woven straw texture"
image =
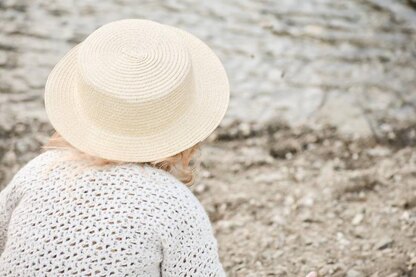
{"points": [[136, 90]]}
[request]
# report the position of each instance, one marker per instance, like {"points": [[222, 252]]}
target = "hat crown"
{"points": [[138, 91], [130, 72]]}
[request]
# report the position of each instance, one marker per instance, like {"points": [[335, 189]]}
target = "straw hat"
{"points": [[136, 90]]}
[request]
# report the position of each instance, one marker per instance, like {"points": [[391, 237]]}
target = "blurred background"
{"points": [[314, 165]]}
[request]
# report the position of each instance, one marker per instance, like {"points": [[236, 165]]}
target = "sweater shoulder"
{"points": [[167, 184], [30, 168], [157, 183], [168, 192]]}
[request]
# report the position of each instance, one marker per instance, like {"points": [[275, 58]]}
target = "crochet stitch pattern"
{"points": [[122, 220]]}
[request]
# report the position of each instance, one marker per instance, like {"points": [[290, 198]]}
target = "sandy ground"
{"points": [[285, 201], [333, 189]]}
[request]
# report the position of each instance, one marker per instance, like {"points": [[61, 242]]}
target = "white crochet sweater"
{"points": [[121, 220]]}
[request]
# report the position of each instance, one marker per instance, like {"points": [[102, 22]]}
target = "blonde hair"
{"points": [[181, 165]]}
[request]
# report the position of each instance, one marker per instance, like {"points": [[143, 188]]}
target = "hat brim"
{"points": [[212, 94]]}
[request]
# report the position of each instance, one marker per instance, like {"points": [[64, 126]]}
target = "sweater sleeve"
{"points": [[189, 245], [11, 195], [9, 198]]}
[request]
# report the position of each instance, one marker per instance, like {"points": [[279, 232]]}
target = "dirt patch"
{"points": [[288, 200]]}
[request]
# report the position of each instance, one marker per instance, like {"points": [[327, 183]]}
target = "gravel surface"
{"points": [[286, 201], [332, 189]]}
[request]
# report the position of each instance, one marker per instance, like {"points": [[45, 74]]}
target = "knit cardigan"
{"points": [[60, 218]]}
